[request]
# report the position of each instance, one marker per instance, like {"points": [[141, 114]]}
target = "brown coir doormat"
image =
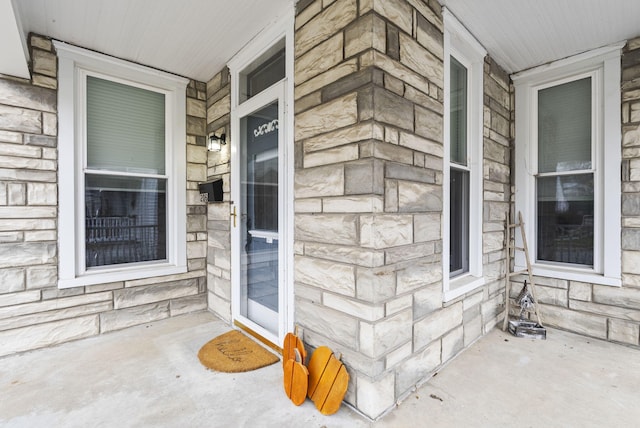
{"points": [[234, 352]]}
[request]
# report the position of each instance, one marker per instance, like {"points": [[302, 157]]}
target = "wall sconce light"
{"points": [[216, 142]]}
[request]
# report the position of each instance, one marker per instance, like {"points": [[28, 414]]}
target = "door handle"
{"points": [[234, 215]]}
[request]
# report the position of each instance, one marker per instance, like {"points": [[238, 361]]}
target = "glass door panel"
{"points": [[259, 222]]}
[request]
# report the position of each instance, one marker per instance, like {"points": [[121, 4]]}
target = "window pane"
{"points": [[458, 112], [125, 127], [459, 222], [565, 219], [564, 127], [268, 69], [125, 220]]}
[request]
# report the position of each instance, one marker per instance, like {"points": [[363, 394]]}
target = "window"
{"points": [[567, 154], [122, 177], [462, 210]]}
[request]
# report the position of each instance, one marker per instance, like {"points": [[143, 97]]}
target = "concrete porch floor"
{"points": [[150, 376]]}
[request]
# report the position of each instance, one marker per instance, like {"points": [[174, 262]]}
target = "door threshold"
{"points": [[258, 337]]}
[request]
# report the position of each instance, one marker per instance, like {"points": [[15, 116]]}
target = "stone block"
{"points": [[390, 152], [42, 193], [16, 194], [472, 330], [136, 296], [306, 9], [357, 309], [196, 249], [117, 320], [552, 296], [49, 124], [396, 305], [376, 284], [631, 262], [375, 396], [12, 280], [436, 325], [430, 36], [20, 120], [27, 254], [185, 305], [327, 117], [419, 197], [319, 59], [332, 156], [418, 275], [54, 315], [44, 81], [324, 25], [580, 291], [219, 109], [392, 109], [331, 276], [196, 154], [26, 225], [364, 177], [218, 306], [427, 300], [366, 33], [49, 334], [11, 137], [353, 204], [27, 163], [409, 252], [338, 229], [320, 181], [420, 60], [452, 343], [311, 205], [18, 94], [418, 143], [397, 11], [383, 231], [196, 108], [624, 331], [342, 70], [390, 196], [429, 124], [50, 305], [19, 298], [379, 338], [397, 356], [614, 296], [341, 328], [42, 276], [418, 367], [44, 62], [578, 322]]}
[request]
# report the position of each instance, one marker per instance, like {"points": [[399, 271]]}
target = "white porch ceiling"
{"points": [[521, 34], [192, 38], [196, 38]]}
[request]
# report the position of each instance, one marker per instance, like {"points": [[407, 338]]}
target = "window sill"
{"points": [[573, 274], [103, 277], [462, 285]]}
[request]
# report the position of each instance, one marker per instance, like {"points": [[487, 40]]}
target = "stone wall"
{"points": [[368, 195], [218, 224], [601, 311], [33, 311]]}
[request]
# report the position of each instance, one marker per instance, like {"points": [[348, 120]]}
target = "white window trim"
{"points": [[461, 44], [602, 64], [73, 63]]}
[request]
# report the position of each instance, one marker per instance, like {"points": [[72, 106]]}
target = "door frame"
{"points": [[283, 92]]}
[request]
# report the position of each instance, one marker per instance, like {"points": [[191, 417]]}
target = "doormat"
{"points": [[233, 352]]}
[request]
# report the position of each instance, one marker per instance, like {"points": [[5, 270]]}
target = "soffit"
{"points": [[192, 38], [522, 34]]}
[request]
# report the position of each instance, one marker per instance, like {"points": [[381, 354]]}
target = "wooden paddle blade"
{"points": [[296, 378], [291, 343], [337, 392], [317, 364]]}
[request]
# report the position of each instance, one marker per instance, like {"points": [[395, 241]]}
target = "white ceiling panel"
{"points": [[192, 38], [521, 34]]}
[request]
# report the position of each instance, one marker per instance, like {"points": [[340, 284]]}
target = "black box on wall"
{"points": [[212, 189]]}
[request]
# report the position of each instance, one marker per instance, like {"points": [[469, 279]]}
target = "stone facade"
{"points": [[368, 195], [33, 311], [218, 219]]}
